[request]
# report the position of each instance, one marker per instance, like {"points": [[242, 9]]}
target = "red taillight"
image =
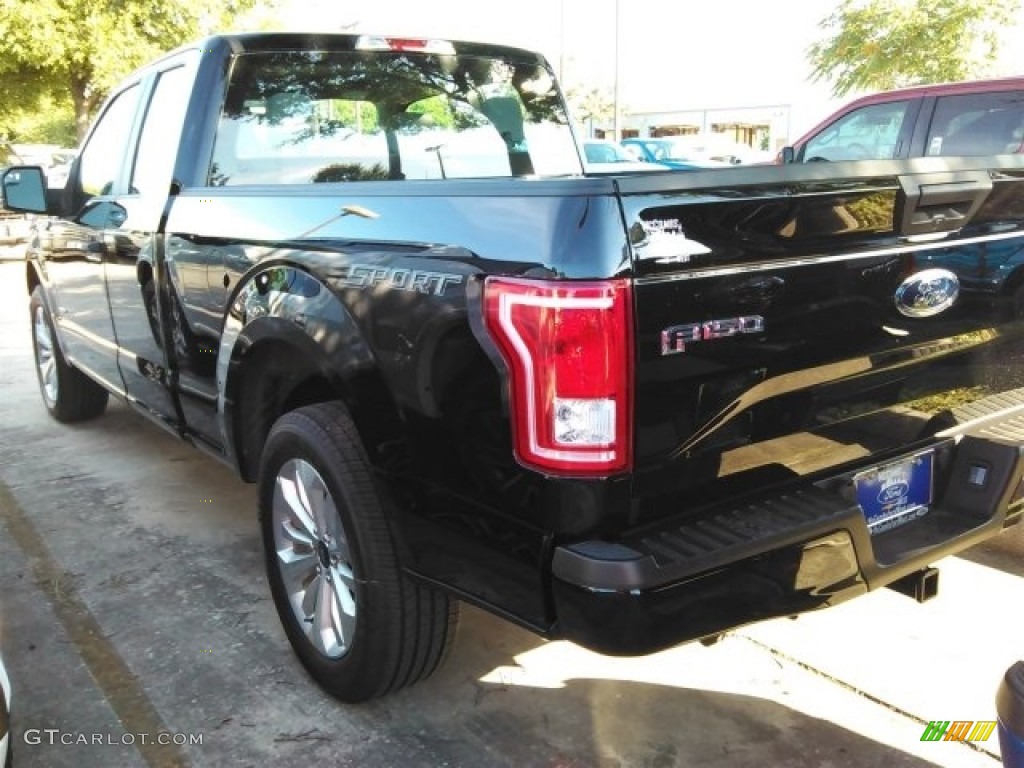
{"points": [[569, 351]]}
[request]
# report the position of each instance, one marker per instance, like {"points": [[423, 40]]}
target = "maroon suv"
{"points": [[982, 117]]}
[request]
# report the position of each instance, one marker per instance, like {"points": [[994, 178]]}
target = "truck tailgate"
{"points": [[796, 323], [825, 401]]}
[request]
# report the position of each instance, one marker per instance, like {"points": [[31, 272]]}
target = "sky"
{"points": [[673, 54]]}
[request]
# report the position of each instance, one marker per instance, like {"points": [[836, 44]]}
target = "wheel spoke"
{"points": [[43, 340], [49, 370], [307, 485], [344, 591], [297, 570], [308, 598], [291, 496], [314, 495], [327, 629], [295, 537]]}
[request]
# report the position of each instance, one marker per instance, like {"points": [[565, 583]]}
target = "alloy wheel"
{"points": [[313, 558], [45, 359]]}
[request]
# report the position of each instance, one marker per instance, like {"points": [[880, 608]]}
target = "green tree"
{"points": [[76, 50], [590, 105], [878, 45]]}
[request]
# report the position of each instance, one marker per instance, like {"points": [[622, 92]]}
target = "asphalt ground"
{"points": [[134, 610]]}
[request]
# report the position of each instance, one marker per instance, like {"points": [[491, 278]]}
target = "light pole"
{"points": [[616, 134], [561, 43]]}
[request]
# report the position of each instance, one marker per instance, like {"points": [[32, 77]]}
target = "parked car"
{"points": [[13, 227], [977, 118], [672, 152], [605, 156], [720, 148], [982, 117]]}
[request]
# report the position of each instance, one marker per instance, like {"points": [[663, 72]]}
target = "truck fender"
{"points": [[35, 275], [289, 341]]}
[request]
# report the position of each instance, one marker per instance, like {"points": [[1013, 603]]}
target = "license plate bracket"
{"points": [[893, 494]]}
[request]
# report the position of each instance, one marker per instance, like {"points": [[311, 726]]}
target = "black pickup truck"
{"points": [[372, 275]]}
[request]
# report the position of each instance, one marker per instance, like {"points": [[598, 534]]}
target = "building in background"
{"points": [[737, 67]]}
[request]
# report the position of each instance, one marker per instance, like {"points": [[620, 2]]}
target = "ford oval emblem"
{"points": [[892, 494], [927, 293]]}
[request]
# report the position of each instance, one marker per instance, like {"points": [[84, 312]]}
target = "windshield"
{"points": [[302, 117]]}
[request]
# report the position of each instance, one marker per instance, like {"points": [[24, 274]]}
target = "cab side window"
{"points": [[103, 156], [868, 133], [165, 115], [977, 124]]}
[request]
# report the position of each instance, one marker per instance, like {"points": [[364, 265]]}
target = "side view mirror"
{"points": [[788, 155], [24, 189]]}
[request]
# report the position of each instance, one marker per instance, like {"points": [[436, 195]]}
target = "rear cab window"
{"points": [[977, 124], [871, 132], [341, 116]]}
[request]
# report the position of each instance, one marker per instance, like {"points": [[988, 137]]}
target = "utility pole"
{"points": [[561, 44], [616, 133]]}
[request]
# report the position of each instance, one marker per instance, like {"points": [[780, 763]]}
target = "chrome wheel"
{"points": [[313, 558], [45, 359]]}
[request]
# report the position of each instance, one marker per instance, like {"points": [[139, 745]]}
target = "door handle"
{"points": [[940, 202], [94, 252]]}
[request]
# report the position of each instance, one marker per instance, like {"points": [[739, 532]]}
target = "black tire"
{"points": [[384, 631], [69, 395]]}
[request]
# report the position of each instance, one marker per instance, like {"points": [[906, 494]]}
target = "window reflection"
{"points": [[299, 117]]}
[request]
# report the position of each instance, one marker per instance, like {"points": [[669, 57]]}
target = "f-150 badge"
{"points": [[676, 338]]}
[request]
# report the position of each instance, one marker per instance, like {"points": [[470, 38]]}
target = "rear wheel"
{"points": [[359, 625], [69, 395]]}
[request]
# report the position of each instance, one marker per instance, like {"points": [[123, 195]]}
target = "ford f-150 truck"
{"points": [[630, 411]]}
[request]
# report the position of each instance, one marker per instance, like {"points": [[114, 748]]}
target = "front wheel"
{"points": [[358, 624], [69, 395]]}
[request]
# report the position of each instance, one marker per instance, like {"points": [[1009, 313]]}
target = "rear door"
{"points": [[141, 302], [972, 124], [800, 321]]}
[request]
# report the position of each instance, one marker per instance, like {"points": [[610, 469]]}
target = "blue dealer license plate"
{"points": [[896, 493]]}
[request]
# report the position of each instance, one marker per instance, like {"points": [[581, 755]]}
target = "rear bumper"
{"points": [[795, 552]]}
